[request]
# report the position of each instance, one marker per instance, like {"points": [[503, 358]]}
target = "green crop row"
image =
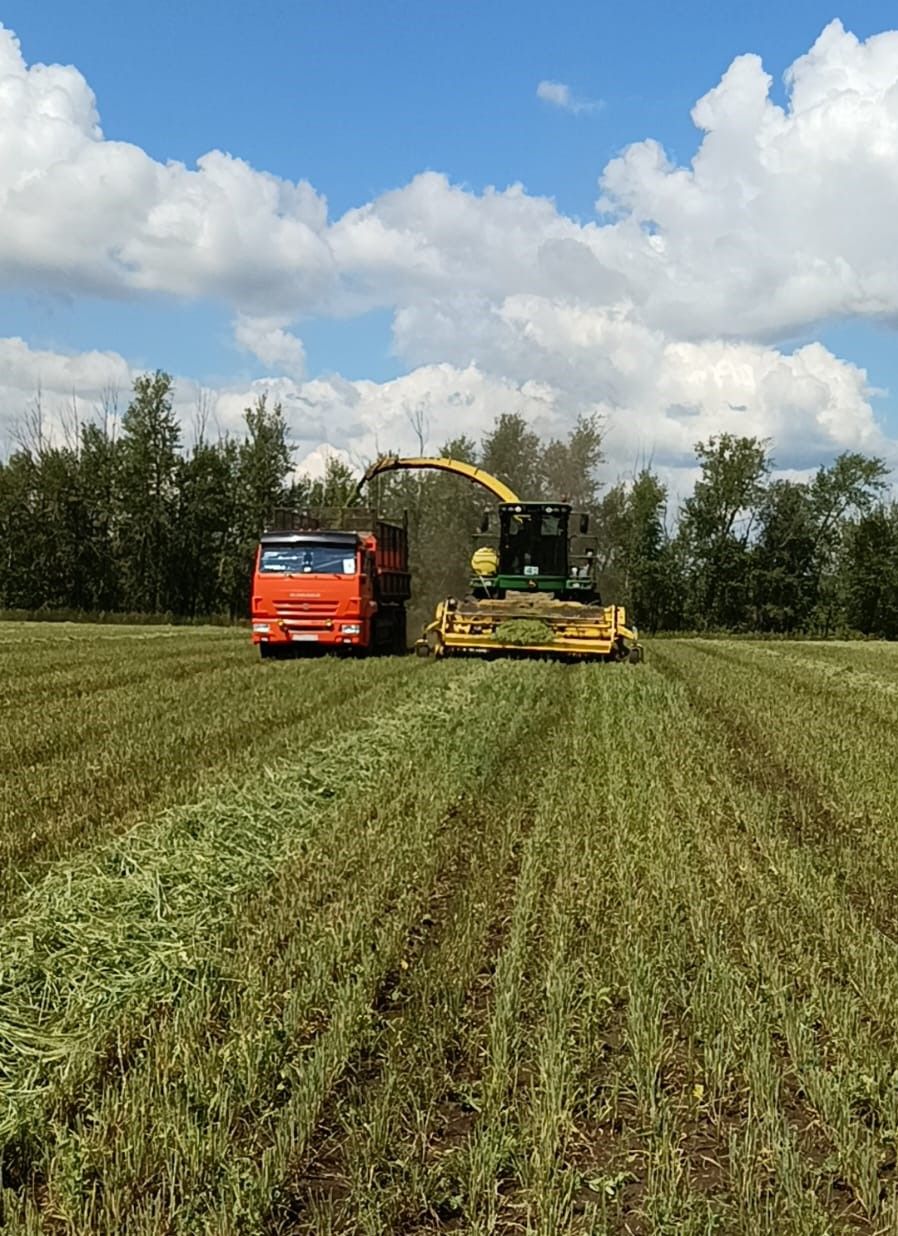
{"points": [[486, 947]]}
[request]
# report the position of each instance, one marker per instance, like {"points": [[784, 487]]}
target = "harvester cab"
{"points": [[535, 550]]}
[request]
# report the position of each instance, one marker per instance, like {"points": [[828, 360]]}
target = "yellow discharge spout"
{"points": [[393, 463]]}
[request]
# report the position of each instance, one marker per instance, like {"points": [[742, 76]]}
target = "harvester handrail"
{"points": [[392, 463]]}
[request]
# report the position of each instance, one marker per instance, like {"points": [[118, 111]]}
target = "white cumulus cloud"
{"points": [[666, 396], [81, 213], [560, 95], [274, 346], [669, 313], [786, 216]]}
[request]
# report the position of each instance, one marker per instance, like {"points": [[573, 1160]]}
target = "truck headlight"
{"points": [[351, 628], [261, 628]]}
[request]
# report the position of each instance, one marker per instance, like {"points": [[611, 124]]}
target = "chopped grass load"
{"points": [[523, 631]]}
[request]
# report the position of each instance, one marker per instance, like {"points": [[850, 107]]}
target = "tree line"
{"points": [[126, 517]]}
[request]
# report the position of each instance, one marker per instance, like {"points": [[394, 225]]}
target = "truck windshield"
{"points": [[307, 560]]}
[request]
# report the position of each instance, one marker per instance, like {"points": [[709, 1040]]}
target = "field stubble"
{"points": [[392, 947]]}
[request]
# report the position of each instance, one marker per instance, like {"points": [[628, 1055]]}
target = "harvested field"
{"points": [[395, 946]]}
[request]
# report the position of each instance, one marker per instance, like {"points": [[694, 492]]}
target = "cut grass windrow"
{"points": [[97, 761], [132, 918]]}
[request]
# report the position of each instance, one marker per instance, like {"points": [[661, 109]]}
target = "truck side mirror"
{"points": [[485, 522], [584, 524]]}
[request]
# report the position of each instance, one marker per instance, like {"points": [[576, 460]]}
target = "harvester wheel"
{"points": [[635, 656], [422, 648]]}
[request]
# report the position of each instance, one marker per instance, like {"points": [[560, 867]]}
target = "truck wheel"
{"points": [[373, 648], [273, 652], [400, 635]]}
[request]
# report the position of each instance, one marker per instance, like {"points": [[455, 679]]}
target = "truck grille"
{"points": [[305, 609]]}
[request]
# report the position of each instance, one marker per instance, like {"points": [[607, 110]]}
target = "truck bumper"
{"points": [[282, 636]]}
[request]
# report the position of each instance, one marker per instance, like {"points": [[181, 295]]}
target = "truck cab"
{"points": [[330, 589]]}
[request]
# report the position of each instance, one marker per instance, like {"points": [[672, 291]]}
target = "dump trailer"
{"points": [[533, 586], [331, 580]]}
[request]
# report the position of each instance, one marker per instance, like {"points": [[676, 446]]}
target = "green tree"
{"points": [[784, 559], [647, 554], [610, 527], [263, 465], [848, 487], [869, 573], [148, 501], [634, 553], [208, 545], [512, 452], [569, 469], [60, 527], [21, 538], [100, 461], [338, 487], [264, 462], [716, 527], [444, 512]]}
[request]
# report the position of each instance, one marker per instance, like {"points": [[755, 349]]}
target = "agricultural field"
{"points": [[395, 946]]}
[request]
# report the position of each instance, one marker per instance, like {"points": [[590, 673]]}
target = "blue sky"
{"points": [[358, 98]]}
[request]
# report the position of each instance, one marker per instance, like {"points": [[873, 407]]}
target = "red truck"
{"points": [[334, 581]]}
